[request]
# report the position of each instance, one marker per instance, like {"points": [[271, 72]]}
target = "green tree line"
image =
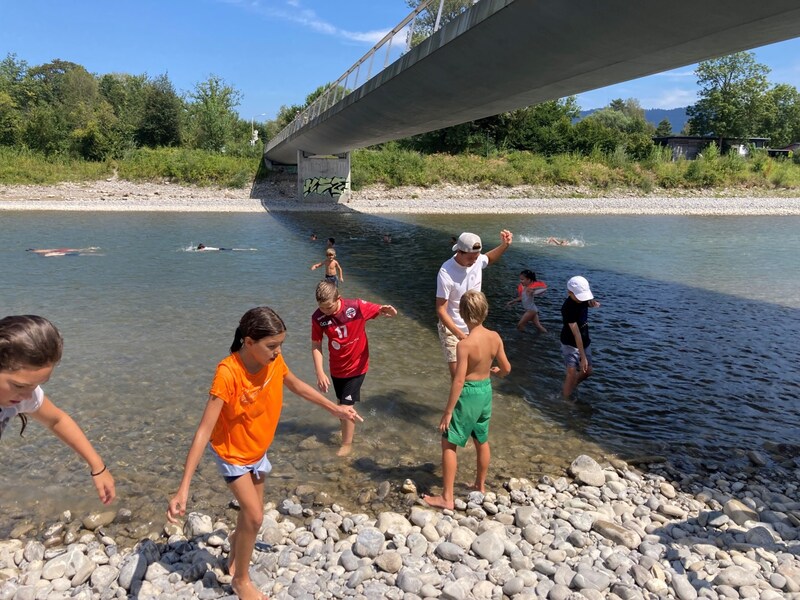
{"points": [[60, 109]]}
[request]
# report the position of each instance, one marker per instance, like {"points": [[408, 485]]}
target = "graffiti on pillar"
{"points": [[331, 186]]}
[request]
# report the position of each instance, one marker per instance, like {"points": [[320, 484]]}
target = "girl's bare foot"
{"points": [[475, 487], [232, 554], [438, 502], [246, 590], [345, 450]]}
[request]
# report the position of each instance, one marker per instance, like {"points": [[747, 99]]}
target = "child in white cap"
{"points": [[575, 333]]}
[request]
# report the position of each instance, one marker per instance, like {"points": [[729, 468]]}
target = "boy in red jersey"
{"points": [[343, 321]]}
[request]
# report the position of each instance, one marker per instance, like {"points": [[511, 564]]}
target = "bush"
{"points": [[197, 167]]}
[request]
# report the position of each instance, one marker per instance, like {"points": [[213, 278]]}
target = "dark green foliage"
{"points": [[664, 128], [159, 124], [732, 94]]}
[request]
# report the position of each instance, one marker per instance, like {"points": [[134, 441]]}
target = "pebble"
{"points": [[610, 533]]}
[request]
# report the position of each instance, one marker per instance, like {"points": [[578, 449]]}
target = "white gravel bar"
{"points": [[123, 196]]}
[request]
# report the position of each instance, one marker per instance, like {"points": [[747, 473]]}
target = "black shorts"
{"points": [[348, 389]]}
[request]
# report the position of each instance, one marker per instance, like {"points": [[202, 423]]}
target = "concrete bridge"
{"points": [[500, 55]]}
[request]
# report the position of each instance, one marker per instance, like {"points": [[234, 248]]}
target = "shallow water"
{"points": [[694, 345]]}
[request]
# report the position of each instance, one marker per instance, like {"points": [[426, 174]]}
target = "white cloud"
{"points": [[671, 98], [293, 11], [675, 74]]}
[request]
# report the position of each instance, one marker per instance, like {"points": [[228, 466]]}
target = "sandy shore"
{"points": [[117, 195]]}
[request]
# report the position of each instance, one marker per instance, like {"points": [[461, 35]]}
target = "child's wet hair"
{"points": [[257, 323], [529, 274], [326, 292], [473, 307], [330, 252], [28, 341]]}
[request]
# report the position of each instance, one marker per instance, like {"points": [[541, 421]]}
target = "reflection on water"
{"points": [[693, 344]]}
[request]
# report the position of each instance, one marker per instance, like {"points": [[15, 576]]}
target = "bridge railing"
{"points": [[343, 86]]}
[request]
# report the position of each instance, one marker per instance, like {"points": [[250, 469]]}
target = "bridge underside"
{"points": [[507, 54]]}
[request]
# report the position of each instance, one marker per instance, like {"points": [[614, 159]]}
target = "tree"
{"points": [[732, 91], [160, 123], [426, 20], [782, 115], [212, 116], [545, 128], [664, 128]]}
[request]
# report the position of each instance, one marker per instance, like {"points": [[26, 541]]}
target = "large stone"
{"points": [[735, 577], [64, 565], [489, 545], [96, 520], [739, 512], [617, 533], [369, 542], [683, 587], [449, 551], [391, 562], [586, 470], [197, 524], [132, 570], [392, 523]]}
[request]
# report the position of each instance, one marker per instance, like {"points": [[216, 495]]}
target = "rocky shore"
{"points": [[615, 531], [279, 196]]}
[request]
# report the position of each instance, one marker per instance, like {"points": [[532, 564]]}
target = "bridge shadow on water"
{"points": [[688, 374]]}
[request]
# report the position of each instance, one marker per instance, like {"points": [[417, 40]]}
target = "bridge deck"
{"points": [[506, 54]]}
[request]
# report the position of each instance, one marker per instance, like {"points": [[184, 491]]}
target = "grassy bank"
{"points": [[393, 167], [396, 167]]}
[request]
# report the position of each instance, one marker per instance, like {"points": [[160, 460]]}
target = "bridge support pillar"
{"points": [[323, 177]]}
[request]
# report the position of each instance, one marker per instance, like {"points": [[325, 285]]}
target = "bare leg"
{"points": [[526, 316], [452, 367], [570, 382], [538, 325], [232, 553], [483, 455], [449, 467], [572, 379], [348, 429], [249, 492]]}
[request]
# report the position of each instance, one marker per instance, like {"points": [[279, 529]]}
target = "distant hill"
{"points": [[677, 116]]}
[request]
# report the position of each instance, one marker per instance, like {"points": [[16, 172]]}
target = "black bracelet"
{"points": [[100, 472]]}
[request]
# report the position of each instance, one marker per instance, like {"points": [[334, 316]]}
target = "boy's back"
{"points": [[479, 349]]}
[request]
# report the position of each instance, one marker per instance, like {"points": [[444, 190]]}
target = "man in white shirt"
{"points": [[461, 273]]}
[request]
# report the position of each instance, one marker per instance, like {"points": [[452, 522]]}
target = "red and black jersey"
{"points": [[348, 350]]}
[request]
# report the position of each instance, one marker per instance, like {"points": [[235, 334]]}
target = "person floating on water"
{"points": [[554, 241], [63, 251]]}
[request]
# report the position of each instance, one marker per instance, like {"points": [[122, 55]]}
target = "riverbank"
{"points": [[124, 196], [621, 531]]}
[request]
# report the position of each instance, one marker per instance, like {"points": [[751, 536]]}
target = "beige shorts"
{"points": [[448, 340]]}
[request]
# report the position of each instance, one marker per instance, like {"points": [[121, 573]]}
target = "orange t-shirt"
{"points": [[249, 417]]}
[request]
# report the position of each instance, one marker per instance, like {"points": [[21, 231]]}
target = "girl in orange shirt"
{"points": [[239, 421]]}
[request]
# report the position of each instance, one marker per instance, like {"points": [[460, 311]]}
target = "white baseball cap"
{"points": [[468, 242], [580, 287]]}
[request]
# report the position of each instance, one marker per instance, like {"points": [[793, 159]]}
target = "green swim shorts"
{"points": [[471, 414]]}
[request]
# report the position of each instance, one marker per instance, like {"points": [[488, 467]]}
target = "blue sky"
{"points": [[273, 51]]}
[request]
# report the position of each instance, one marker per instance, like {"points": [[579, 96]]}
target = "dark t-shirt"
{"points": [[575, 312]]}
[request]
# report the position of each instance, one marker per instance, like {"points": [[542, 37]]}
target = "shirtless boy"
{"points": [[469, 406]]}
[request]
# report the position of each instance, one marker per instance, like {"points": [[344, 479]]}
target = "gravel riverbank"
{"points": [[119, 195], [617, 532]]}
